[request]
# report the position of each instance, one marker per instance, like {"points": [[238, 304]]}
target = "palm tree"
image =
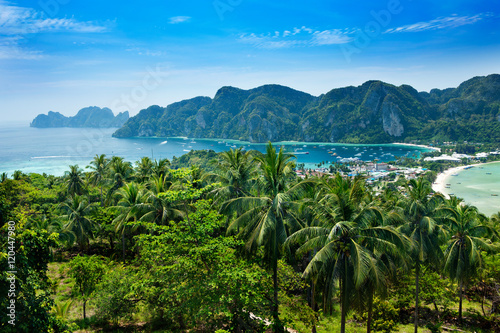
{"points": [[131, 197], [419, 210], [74, 180], [236, 172], [3, 177], [120, 172], [462, 257], [160, 168], [265, 221], [143, 169], [78, 223], [17, 175], [349, 237], [99, 169], [158, 209]]}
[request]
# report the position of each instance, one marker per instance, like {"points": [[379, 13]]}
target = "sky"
{"points": [[63, 55]]}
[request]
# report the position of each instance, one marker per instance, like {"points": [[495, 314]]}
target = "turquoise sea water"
{"points": [[51, 150], [478, 186]]}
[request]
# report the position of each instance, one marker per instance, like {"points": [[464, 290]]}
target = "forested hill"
{"points": [[92, 116], [375, 112]]}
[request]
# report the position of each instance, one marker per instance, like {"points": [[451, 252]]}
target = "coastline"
{"points": [[414, 145], [439, 184]]}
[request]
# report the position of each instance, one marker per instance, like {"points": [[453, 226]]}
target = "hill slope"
{"points": [[375, 112]]}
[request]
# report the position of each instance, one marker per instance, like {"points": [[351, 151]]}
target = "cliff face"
{"points": [[374, 112], [86, 117]]}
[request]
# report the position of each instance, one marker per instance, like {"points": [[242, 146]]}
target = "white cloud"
{"points": [[453, 21], [178, 19], [297, 37], [16, 20]]}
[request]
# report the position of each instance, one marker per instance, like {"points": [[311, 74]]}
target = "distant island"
{"points": [[91, 116], [375, 112]]}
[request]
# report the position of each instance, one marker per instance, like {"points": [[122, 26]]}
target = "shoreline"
{"points": [[439, 184], [415, 145]]}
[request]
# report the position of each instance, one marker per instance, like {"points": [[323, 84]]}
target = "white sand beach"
{"points": [[442, 179], [439, 184], [414, 145]]}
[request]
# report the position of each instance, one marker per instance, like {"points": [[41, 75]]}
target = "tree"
{"points": [[74, 180], [349, 237], [131, 197], [120, 172], [99, 169], [3, 177], [263, 221], [462, 258], [78, 222], [87, 272], [236, 172], [143, 169], [160, 167], [419, 210]]}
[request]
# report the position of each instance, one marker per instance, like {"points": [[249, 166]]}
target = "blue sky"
{"points": [[63, 55]]}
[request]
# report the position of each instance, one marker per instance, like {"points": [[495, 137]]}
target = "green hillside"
{"points": [[375, 112]]}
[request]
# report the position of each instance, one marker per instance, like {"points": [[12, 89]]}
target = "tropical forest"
{"points": [[237, 242]]}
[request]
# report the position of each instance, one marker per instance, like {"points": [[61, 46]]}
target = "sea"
{"points": [[478, 186], [52, 150]]}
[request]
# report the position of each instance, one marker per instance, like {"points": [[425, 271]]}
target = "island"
{"points": [[91, 116], [374, 112]]}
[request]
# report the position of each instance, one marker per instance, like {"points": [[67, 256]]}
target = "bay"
{"points": [[478, 186], [52, 150]]}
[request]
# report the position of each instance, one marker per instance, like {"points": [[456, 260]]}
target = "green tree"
{"points": [[74, 180], [236, 172], [129, 206], [143, 169], [77, 210], [263, 221], [87, 273], [99, 170], [419, 210], [462, 257], [348, 238]]}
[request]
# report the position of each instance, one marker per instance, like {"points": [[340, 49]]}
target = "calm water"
{"points": [[52, 150], [478, 186]]}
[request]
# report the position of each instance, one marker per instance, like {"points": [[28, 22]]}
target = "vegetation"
{"points": [[243, 245], [375, 112]]}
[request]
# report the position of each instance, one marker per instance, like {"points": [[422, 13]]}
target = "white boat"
{"points": [[164, 142]]}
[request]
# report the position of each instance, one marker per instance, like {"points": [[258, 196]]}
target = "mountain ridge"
{"points": [[374, 112]]}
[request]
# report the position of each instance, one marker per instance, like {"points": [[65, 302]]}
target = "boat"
{"points": [[164, 142], [494, 195], [455, 174], [488, 173]]}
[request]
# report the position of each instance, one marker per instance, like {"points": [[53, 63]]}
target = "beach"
{"points": [[439, 184], [420, 146], [479, 185]]}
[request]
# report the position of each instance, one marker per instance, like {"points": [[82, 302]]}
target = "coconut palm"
{"points": [[99, 169], [74, 180], [131, 197], [160, 167], [462, 257], [236, 172], [265, 221], [349, 237], [78, 209], [419, 210], [120, 172], [143, 169]]}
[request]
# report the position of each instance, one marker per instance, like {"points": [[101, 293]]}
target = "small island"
{"points": [[92, 116]]}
